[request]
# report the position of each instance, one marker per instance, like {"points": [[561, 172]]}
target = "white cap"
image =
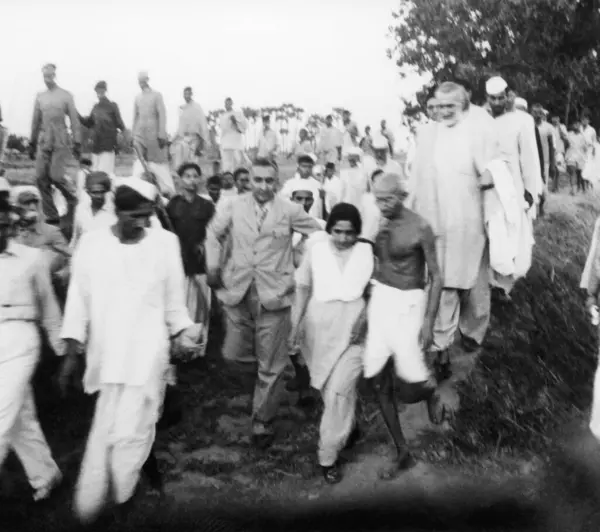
{"points": [[142, 187], [495, 85], [521, 103]]}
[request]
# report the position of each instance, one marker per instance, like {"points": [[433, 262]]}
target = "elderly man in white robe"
{"points": [[125, 305], [192, 133], [517, 146], [450, 176]]}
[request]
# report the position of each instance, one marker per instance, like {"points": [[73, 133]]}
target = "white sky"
{"points": [[317, 54]]}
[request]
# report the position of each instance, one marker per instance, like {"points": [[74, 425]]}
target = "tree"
{"points": [[546, 49]]}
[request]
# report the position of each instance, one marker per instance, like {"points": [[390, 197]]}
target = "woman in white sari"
{"points": [[330, 287]]}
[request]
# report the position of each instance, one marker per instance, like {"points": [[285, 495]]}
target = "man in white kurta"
{"points": [[354, 180], [304, 179], [125, 303], [27, 302], [150, 134], [517, 146], [330, 142], [192, 132], [233, 125], [449, 172]]}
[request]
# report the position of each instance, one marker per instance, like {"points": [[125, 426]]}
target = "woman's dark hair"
{"points": [[344, 212], [186, 166]]}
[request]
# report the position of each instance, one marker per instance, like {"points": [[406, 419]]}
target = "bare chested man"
{"points": [[401, 314]]}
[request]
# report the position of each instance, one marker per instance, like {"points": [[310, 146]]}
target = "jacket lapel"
{"points": [[273, 216]]}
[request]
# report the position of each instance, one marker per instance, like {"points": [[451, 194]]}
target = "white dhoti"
{"points": [[104, 162], [119, 443], [162, 173], [233, 159], [183, 150], [20, 429], [395, 319], [198, 297]]}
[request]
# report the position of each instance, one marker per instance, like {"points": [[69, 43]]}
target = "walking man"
{"points": [[50, 145], [256, 285], [125, 305], [26, 301], [192, 133], [105, 121]]}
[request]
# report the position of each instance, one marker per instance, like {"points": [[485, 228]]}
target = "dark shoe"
{"points": [[332, 474], [307, 401]]}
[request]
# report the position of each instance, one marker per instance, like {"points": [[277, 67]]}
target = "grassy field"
{"points": [[533, 378]]}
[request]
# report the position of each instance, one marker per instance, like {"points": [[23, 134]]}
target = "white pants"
{"points": [[198, 297], [339, 399], [19, 426], [104, 162], [231, 160], [162, 173], [395, 319], [118, 445]]}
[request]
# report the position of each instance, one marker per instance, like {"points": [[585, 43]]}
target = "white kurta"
{"points": [[354, 184], [124, 302]]}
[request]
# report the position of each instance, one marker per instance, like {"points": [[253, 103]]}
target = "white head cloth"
{"points": [[495, 85], [521, 103], [16, 191], [142, 187]]}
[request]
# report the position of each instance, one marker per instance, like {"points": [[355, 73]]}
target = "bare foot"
{"points": [[400, 465], [444, 403]]}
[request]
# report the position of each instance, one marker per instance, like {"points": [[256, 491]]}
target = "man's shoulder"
{"points": [[22, 251], [417, 220]]}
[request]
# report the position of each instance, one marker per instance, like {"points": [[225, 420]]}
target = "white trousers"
{"points": [[20, 429], [231, 160], [198, 297], [104, 162], [119, 443], [339, 400]]}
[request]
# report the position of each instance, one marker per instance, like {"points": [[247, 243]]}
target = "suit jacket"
{"points": [[264, 257]]}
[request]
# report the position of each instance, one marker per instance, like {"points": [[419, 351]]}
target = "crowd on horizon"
{"points": [[371, 270]]}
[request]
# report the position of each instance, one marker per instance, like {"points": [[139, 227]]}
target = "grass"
{"points": [[533, 378]]}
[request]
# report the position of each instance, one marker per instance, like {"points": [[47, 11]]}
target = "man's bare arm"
{"points": [[434, 272]]}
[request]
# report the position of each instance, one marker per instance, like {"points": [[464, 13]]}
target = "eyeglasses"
{"points": [[266, 180]]}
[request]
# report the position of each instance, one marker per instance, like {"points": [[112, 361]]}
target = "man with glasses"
{"points": [[255, 283]]}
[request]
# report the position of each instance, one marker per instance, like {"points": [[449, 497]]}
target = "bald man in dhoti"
{"points": [[52, 141], [517, 147], [192, 133], [449, 176], [125, 304], [150, 134]]}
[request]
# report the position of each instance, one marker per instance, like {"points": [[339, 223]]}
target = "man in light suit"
{"points": [[255, 284]]}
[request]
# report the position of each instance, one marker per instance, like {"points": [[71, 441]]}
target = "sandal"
{"points": [[332, 474]]}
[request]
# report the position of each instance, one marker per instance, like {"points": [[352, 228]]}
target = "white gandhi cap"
{"points": [[495, 85]]}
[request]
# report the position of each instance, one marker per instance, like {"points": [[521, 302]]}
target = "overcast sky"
{"points": [[317, 54]]}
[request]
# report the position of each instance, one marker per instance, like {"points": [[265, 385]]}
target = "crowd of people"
{"points": [[374, 271]]}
